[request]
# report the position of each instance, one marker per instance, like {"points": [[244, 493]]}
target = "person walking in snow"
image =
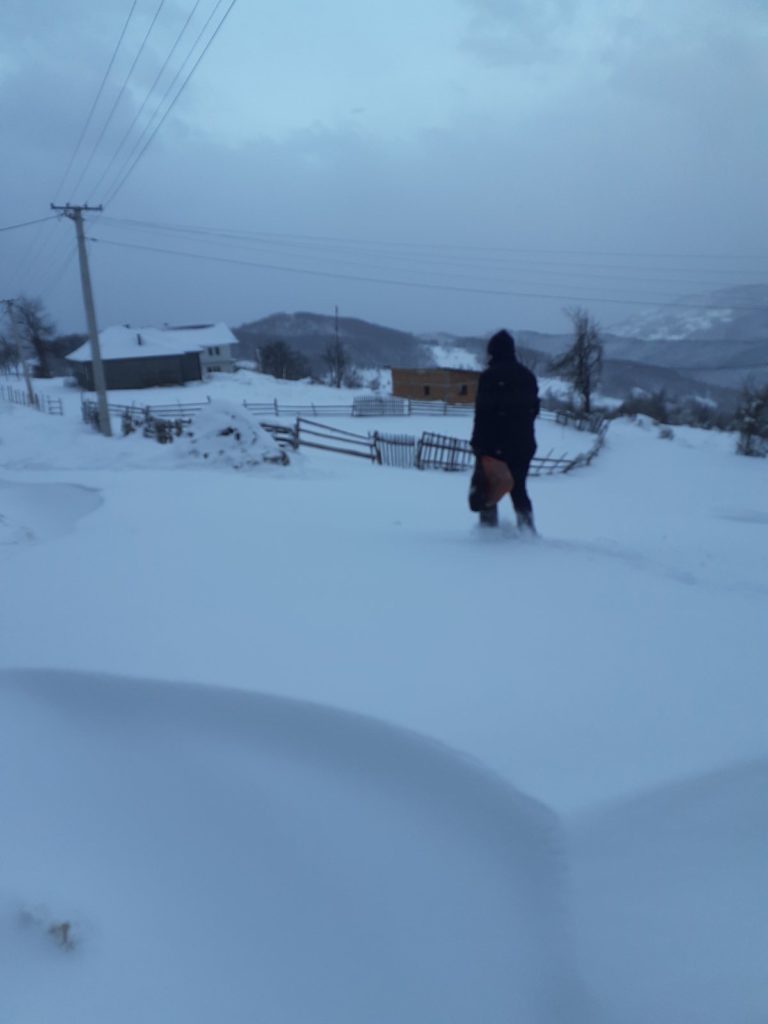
{"points": [[506, 406]]}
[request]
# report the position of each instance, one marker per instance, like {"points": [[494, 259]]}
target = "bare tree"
{"points": [[280, 360], [751, 419], [34, 328], [582, 364], [336, 358], [9, 355]]}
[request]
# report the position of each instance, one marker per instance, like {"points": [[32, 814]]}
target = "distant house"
{"points": [[146, 357], [435, 383]]}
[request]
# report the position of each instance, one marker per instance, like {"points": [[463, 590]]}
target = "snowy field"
{"points": [[302, 744]]}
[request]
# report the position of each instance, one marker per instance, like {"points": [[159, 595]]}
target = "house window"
{"points": [[463, 389], [427, 389], [214, 350]]}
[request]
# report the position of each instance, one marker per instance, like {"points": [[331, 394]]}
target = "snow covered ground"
{"points": [[494, 780]]}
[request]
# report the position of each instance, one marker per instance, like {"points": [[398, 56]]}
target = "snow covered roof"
{"points": [[125, 342]]}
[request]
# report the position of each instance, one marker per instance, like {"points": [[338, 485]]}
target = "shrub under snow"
{"points": [[224, 434]]}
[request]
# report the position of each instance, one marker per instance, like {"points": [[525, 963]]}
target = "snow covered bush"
{"points": [[225, 434], [751, 420]]}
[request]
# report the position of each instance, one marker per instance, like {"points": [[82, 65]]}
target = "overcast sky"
{"points": [[440, 165]]}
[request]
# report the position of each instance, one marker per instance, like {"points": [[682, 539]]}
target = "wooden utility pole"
{"points": [[75, 213], [8, 303]]}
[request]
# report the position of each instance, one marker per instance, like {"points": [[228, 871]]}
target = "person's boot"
{"points": [[525, 523], [489, 516]]}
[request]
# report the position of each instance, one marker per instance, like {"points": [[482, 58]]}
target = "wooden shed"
{"points": [[435, 383]]}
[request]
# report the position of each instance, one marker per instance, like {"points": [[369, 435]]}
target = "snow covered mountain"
{"points": [[720, 338], [726, 314]]}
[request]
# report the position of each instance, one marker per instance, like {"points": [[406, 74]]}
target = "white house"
{"points": [[136, 357], [217, 351]]}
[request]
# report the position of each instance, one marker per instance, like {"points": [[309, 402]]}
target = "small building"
{"points": [[145, 357], [436, 383]]}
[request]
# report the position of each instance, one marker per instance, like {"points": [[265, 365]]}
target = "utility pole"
{"points": [[9, 303], [75, 213]]}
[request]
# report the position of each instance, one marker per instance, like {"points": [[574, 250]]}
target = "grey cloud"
{"points": [[518, 31]]}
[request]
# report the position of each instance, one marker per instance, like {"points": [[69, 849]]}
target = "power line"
{"points": [[132, 167], [342, 252], [88, 120], [150, 125], [54, 279], [45, 243], [433, 245], [38, 245], [28, 223], [510, 293], [151, 89], [119, 96]]}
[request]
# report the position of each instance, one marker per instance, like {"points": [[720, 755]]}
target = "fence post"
{"points": [[277, 411]]}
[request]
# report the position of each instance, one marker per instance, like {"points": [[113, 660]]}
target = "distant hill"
{"points": [[707, 349], [725, 314], [369, 345], [720, 338]]}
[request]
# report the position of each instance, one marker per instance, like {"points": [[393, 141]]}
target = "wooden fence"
{"points": [[331, 439], [430, 451], [395, 450], [43, 403]]}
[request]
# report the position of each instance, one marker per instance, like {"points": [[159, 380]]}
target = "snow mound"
{"points": [[226, 435], [183, 853], [671, 895], [35, 512]]}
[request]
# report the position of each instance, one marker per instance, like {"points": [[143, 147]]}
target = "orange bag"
{"points": [[499, 480]]}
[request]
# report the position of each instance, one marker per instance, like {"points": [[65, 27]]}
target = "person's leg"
{"points": [[521, 500], [489, 516]]}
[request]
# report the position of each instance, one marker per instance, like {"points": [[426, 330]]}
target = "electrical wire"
{"points": [[126, 176], [120, 94], [419, 251], [99, 92], [151, 89], [414, 284], [449, 245], [152, 121], [54, 279], [28, 223], [37, 246], [423, 261]]}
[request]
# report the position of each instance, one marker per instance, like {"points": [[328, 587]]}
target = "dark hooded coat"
{"points": [[506, 406]]}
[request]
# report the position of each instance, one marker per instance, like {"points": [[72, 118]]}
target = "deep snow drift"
{"points": [[236, 857], [613, 671]]}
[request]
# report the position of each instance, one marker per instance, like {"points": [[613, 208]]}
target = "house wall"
{"points": [[457, 387], [218, 358], [152, 371]]}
